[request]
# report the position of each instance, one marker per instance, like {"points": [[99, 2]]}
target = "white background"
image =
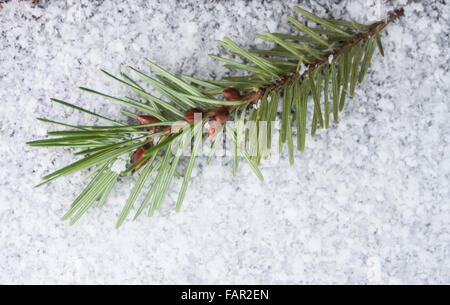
{"points": [[366, 203]]}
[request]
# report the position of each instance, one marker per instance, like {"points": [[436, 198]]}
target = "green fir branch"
{"points": [[324, 62]]}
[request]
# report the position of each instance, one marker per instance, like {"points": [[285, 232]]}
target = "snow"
{"points": [[120, 164], [366, 203]]}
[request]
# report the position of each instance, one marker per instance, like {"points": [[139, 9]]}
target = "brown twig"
{"points": [[357, 38], [293, 76]]}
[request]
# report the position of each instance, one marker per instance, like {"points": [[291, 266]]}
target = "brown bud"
{"points": [[253, 96], [148, 119], [214, 128], [231, 94], [222, 115], [137, 156], [190, 114], [259, 94], [149, 144]]}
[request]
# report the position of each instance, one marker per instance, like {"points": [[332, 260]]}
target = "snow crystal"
{"points": [[303, 68], [330, 59], [119, 165]]}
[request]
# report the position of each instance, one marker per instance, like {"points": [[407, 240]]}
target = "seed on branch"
{"points": [[190, 114], [137, 156], [222, 115], [148, 119], [231, 94], [214, 128], [254, 96]]}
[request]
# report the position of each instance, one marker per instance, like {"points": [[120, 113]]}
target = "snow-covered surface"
{"points": [[368, 202]]}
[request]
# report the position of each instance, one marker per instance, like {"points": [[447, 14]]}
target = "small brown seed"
{"points": [[189, 115], [211, 132], [214, 128], [253, 96], [231, 94], [148, 119], [222, 115], [137, 156]]}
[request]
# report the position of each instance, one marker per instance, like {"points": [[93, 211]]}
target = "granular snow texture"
{"points": [[368, 201]]}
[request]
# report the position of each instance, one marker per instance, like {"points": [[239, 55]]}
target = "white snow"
{"points": [[120, 164], [330, 59], [368, 201]]}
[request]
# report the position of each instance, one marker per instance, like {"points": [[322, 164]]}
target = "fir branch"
{"points": [[353, 40], [303, 66], [373, 29]]}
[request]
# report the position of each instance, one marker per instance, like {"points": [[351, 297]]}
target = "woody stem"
{"points": [[296, 75]]}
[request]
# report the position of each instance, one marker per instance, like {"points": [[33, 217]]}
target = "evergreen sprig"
{"points": [[331, 57]]}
